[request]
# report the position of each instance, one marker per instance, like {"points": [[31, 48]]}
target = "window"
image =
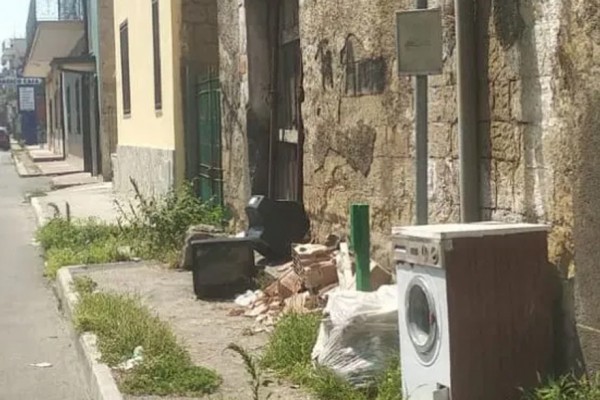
{"points": [[125, 82], [157, 69]]}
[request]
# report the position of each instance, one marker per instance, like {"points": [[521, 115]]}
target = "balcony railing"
{"points": [[51, 10]]}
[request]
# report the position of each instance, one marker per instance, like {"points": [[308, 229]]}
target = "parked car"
{"points": [[4, 139]]}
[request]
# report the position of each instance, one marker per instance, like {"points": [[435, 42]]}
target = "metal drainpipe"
{"points": [[467, 110], [86, 30]]}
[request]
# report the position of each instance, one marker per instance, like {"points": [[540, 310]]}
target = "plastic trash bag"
{"points": [[359, 334]]}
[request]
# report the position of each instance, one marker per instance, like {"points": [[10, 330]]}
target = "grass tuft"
{"points": [[252, 368], [150, 229], [122, 323], [84, 285], [567, 387], [78, 242], [289, 354]]}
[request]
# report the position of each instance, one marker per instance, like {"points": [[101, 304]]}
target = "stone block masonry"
{"points": [[539, 96]]}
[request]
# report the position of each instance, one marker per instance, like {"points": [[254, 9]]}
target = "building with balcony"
{"points": [[70, 43], [13, 54]]}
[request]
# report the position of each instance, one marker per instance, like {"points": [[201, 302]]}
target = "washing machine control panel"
{"points": [[422, 252]]}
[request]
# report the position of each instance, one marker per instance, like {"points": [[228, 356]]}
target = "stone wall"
{"points": [[151, 169], [358, 135], [538, 128], [579, 60], [107, 85], [199, 34], [360, 147], [358, 117], [244, 72]]}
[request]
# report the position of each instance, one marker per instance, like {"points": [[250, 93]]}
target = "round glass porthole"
{"points": [[421, 320]]}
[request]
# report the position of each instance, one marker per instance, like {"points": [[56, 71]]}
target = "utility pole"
{"points": [[421, 133]]}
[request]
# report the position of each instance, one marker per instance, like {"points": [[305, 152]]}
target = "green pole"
{"points": [[361, 243]]}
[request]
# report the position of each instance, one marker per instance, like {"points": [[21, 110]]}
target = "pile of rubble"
{"points": [[304, 283]]}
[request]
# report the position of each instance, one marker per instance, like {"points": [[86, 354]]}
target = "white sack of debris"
{"points": [[359, 334]]}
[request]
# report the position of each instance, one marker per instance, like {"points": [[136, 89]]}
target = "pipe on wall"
{"points": [[467, 111]]}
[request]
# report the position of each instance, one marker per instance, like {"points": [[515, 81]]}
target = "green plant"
{"points": [[291, 343], [252, 368], [389, 386], [567, 387], [157, 227], [84, 285], [79, 242], [122, 324]]}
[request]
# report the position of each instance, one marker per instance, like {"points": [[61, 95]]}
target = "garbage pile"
{"points": [[358, 333], [304, 284]]}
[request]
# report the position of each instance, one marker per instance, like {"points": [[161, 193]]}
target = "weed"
{"points": [[291, 344], [78, 243], [289, 354], [84, 285], [122, 323], [567, 388], [150, 229], [252, 368], [158, 226], [389, 386]]}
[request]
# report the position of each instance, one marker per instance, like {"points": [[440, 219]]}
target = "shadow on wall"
{"points": [[587, 227], [513, 23], [531, 108]]}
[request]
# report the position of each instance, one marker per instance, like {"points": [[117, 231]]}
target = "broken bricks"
{"points": [[315, 264], [315, 271]]}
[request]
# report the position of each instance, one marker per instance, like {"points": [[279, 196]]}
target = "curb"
{"points": [[39, 212], [99, 376], [22, 170], [101, 383]]}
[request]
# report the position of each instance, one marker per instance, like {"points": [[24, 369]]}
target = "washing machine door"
{"points": [[422, 320]]}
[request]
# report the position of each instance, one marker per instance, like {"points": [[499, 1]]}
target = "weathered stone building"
{"points": [[353, 122]]}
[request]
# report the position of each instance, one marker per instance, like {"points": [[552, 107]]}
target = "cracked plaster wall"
{"points": [[538, 129], [360, 146], [522, 140]]}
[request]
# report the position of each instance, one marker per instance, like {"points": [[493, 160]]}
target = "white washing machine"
{"points": [[423, 326], [476, 310]]}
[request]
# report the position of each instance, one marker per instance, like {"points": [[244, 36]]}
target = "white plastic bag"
{"points": [[359, 334]]}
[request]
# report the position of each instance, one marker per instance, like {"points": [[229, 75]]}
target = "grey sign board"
{"points": [[419, 42], [26, 98]]}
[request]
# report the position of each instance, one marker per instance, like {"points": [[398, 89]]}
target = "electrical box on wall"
{"points": [[419, 43], [476, 310]]}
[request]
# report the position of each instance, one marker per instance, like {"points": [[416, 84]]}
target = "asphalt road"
{"points": [[32, 330]]}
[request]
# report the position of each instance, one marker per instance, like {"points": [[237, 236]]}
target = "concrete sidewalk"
{"points": [[86, 201], [31, 161], [77, 179], [40, 154], [24, 165]]}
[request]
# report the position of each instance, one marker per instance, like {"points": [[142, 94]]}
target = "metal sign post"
{"points": [[419, 48]]}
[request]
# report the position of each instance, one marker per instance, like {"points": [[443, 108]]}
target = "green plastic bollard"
{"points": [[361, 244]]}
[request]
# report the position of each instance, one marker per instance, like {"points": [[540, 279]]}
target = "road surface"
{"points": [[32, 330]]}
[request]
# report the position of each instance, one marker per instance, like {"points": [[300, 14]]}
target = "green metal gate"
{"points": [[208, 95]]}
